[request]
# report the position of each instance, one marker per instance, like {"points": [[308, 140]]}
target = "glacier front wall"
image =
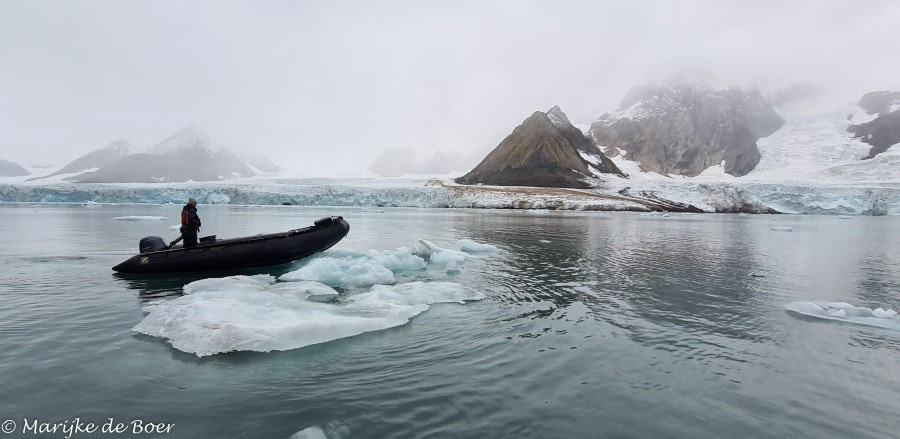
{"points": [[750, 197]]}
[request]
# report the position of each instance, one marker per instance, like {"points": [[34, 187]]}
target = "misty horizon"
{"points": [[353, 79]]}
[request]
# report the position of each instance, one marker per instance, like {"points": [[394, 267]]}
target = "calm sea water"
{"points": [[620, 326]]}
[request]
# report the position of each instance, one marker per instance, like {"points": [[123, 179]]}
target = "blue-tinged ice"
{"points": [[843, 197], [451, 259], [470, 246], [845, 312], [356, 268], [257, 313], [331, 430]]}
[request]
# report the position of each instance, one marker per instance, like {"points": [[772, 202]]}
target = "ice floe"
{"points": [[139, 218], [331, 430], [470, 246], [257, 313], [356, 268], [845, 312]]}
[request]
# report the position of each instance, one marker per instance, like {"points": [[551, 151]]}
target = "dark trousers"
{"points": [[190, 237]]}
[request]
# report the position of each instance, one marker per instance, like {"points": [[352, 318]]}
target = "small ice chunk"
{"points": [[838, 313], [175, 227], [355, 268], [333, 271], [544, 241], [314, 432], [840, 305], [783, 229], [468, 245], [452, 259], [884, 314], [331, 430], [846, 312]]}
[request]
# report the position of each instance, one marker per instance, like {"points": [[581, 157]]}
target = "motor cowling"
{"points": [[152, 244]]}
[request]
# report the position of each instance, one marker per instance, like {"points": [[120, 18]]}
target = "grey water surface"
{"points": [[594, 325]]}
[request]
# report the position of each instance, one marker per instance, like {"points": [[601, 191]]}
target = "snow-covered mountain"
{"points": [[259, 162], [96, 159], [683, 128], [813, 164], [12, 169], [188, 155], [545, 150]]}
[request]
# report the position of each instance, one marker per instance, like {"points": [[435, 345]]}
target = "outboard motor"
{"points": [[152, 244]]}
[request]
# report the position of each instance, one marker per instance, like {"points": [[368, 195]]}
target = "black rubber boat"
{"points": [[236, 253]]}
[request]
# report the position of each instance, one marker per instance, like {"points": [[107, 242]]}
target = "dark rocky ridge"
{"points": [[544, 151], [12, 169], [883, 131], [684, 129]]}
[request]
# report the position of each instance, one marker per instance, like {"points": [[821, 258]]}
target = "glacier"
{"points": [[615, 194], [812, 165]]}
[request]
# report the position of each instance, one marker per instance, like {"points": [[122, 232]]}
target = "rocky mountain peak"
{"points": [[545, 150], [558, 118], [883, 131], [681, 128], [880, 102]]}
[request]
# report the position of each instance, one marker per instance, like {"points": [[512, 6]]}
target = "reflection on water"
{"points": [[594, 325]]}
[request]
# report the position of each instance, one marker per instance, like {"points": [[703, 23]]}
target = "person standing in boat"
{"points": [[190, 223]]}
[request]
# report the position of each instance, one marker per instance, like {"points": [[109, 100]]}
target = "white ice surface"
{"points": [[314, 432], [451, 259], [257, 313], [356, 268], [470, 246], [139, 218], [846, 312]]}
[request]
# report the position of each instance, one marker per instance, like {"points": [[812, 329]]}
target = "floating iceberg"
{"points": [[355, 268], [470, 246], [846, 312], [257, 313], [451, 259], [783, 229]]}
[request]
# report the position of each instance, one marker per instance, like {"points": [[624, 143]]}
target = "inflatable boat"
{"points": [[236, 253]]}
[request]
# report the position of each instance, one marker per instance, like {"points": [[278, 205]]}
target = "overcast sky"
{"points": [[331, 84]]}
